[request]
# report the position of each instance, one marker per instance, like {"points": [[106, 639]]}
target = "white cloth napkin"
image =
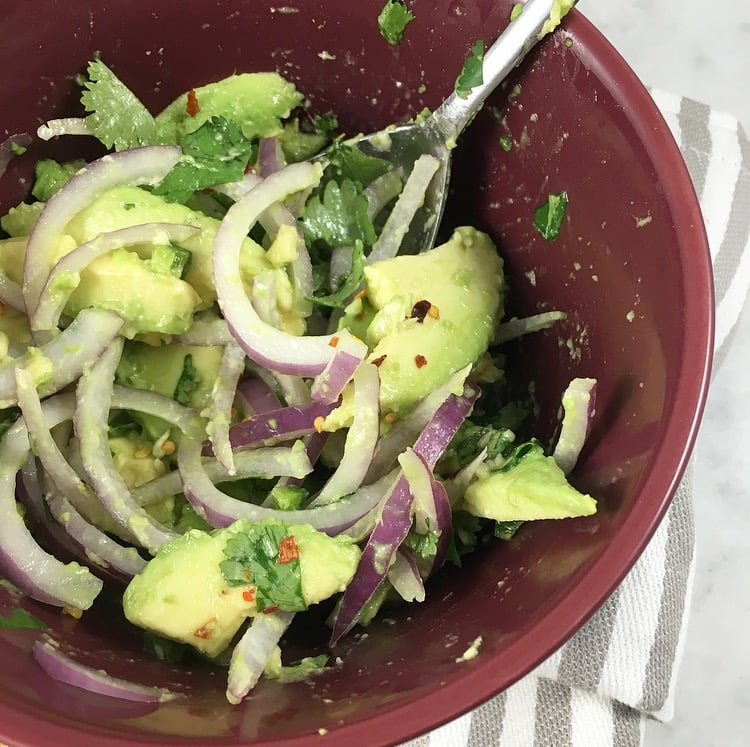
{"points": [[618, 670]]}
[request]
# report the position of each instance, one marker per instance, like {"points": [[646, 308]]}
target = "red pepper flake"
{"points": [[420, 360], [333, 342], [203, 632], [249, 595], [288, 550], [420, 310], [192, 107], [379, 360], [271, 610], [250, 168]]}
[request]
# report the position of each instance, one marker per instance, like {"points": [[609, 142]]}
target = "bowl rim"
{"points": [[401, 722]]}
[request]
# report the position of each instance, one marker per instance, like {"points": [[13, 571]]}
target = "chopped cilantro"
{"points": [[347, 162], [326, 124], [465, 537], [506, 142], [188, 382], [215, 153], [7, 418], [548, 218], [471, 73], [338, 217], [163, 649], [505, 530], [393, 20], [423, 545], [350, 284], [17, 149], [20, 619], [253, 557], [521, 452], [117, 117]]}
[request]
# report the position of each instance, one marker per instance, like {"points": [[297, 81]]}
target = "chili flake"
{"points": [[271, 610], [249, 595], [203, 632], [192, 107], [288, 550], [420, 360], [379, 360], [333, 342]]}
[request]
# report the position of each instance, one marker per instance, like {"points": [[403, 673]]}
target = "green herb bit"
{"points": [[505, 530], [393, 20], [506, 142], [326, 124], [300, 670], [548, 218], [255, 556], [471, 73], [20, 619], [423, 545], [188, 382], [17, 149], [349, 284], [117, 116], [347, 162], [516, 11]]}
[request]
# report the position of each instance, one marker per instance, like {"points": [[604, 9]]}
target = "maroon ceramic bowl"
{"points": [[631, 269]]}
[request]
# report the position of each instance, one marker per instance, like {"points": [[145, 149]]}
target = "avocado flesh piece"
{"points": [[535, 488], [462, 280], [182, 593]]}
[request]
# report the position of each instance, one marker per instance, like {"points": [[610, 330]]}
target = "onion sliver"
{"points": [[252, 652], [347, 356], [404, 577], [67, 355], [148, 165], [11, 293], [63, 126], [206, 333], [62, 667], [268, 346], [254, 395], [93, 403], [578, 401], [360, 440], [55, 294], [99, 547], [39, 574], [221, 510], [409, 201]]}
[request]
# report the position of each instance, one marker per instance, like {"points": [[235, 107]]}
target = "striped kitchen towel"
{"points": [[620, 668]]}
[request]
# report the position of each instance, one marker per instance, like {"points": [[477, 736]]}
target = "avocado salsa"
{"points": [[263, 419]]}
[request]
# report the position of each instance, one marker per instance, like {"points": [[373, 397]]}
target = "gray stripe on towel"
{"points": [[679, 557], [585, 654], [693, 118], [627, 731], [487, 722], [554, 714]]}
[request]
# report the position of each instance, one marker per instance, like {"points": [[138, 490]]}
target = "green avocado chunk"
{"points": [[255, 101], [535, 488], [182, 593], [434, 313]]}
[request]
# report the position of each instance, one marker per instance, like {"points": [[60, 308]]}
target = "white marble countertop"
{"points": [[702, 50]]}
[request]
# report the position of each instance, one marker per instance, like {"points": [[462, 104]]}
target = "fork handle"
{"points": [[452, 116]]}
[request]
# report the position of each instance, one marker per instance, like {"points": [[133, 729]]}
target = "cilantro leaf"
{"points": [[338, 216], [505, 530], [393, 20], [471, 73], [326, 124], [215, 153], [117, 116], [348, 162], [253, 557], [188, 382], [465, 537], [423, 545], [350, 284], [20, 619], [548, 218]]}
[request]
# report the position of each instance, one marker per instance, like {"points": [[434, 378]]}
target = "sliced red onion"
{"points": [[270, 156], [578, 401], [513, 328], [11, 293], [284, 424], [404, 577], [267, 462], [146, 165], [314, 444], [264, 298], [270, 347], [360, 439], [93, 403], [25, 564], [254, 395], [206, 333], [404, 432], [55, 294], [99, 548], [9, 146], [253, 651], [69, 354], [409, 201], [63, 126], [60, 666], [389, 532], [348, 354], [221, 510], [231, 368]]}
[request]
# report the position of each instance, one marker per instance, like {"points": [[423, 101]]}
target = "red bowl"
{"points": [[631, 268]]}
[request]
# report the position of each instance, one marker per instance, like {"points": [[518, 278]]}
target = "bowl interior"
{"points": [[630, 269]]}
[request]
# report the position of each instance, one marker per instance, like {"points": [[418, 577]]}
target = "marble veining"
{"points": [[702, 50]]}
